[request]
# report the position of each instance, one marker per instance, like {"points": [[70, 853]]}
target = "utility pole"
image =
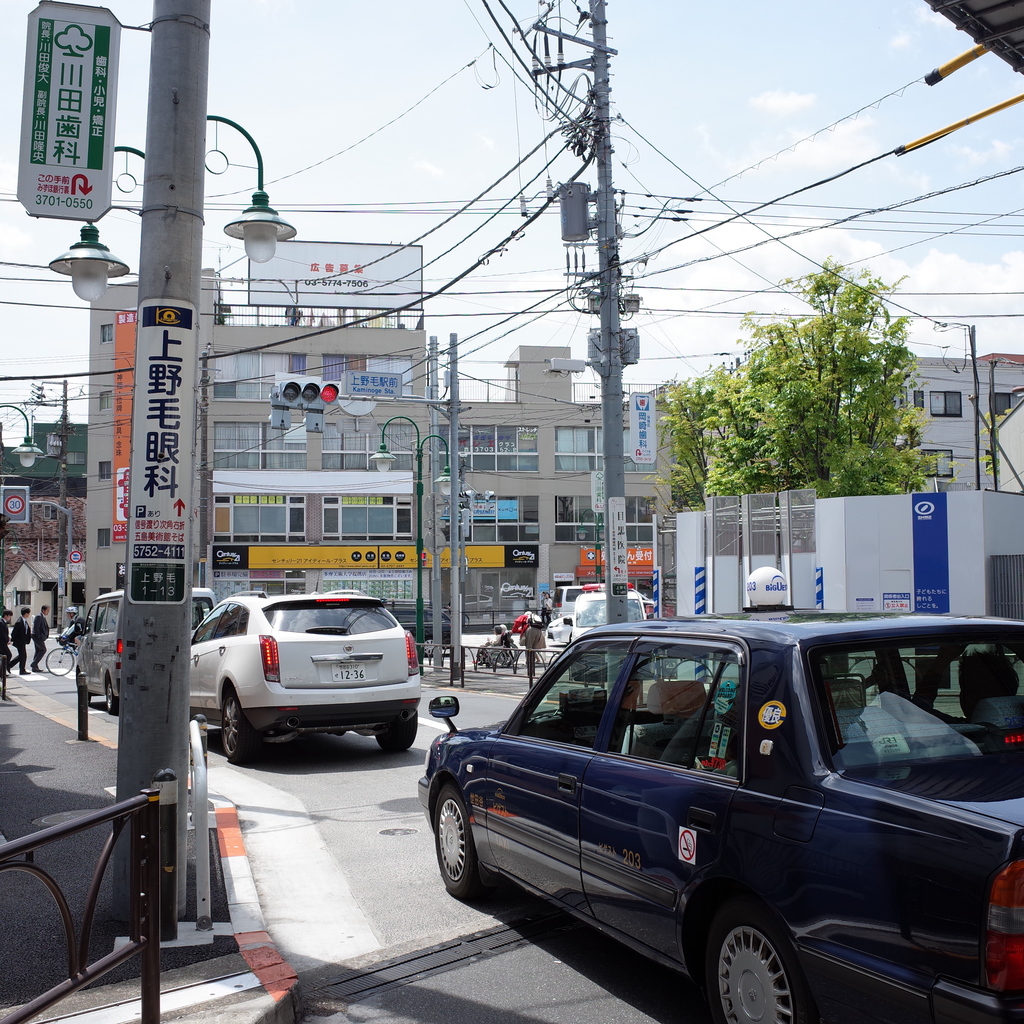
{"points": [[977, 408], [455, 546], [436, 602], [993, 429], [153, 725], [610, 366], [205, 475]]}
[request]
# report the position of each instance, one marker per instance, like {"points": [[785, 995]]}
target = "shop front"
{"points": [[640, 567]]}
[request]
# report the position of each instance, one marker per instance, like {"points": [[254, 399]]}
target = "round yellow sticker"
{"points": [[772, 714]]}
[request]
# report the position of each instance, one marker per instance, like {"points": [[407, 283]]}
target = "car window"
{"points": [[200, 609], [681, 706], [592, 611], [106, 616], [891, 701], [205, 631], [569, 706], [233, 622], [339, 618]]}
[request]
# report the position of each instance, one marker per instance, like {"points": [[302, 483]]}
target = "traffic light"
{"points": [[307, 395]]}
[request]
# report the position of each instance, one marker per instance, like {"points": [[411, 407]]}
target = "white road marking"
{"points": [[309, 909]]}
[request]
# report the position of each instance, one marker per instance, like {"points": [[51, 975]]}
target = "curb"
{"points": [[275, 974]]}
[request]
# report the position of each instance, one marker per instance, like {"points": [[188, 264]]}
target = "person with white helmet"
{"points": [[74, 626]]}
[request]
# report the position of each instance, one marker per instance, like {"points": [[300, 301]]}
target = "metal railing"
{"points": [[141, 813]]}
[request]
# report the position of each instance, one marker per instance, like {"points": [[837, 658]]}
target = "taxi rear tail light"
{"points": [[1004, 937], [410, 653], [270, 658]]}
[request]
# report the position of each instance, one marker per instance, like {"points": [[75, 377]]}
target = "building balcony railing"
{"points": [[234, 315]]}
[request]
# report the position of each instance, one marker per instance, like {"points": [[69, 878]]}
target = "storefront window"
{"points": [[489, 449], [366, 517], [575, 520], [578, 450]]}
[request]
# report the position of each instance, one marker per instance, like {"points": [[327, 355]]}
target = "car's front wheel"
{"points": [[456, 851], [399, 736], [751, 971], [240, 740]]}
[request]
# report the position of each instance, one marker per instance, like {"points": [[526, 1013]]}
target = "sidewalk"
{"points": [[49, 777]]}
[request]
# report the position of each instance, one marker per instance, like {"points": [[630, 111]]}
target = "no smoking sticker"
{"points": [[687, 845]]}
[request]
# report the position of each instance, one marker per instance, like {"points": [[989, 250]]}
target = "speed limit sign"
{"points": [[15, 504]]}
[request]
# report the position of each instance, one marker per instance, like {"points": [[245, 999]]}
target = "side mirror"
{"points": [[446, 707]]}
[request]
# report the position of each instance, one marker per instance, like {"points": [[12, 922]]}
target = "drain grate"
{"points": [[355, 985]]}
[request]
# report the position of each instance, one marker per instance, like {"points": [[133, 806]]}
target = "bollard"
{"points": [[167, 783], [200, 821], [83, 709], [203, 726]]}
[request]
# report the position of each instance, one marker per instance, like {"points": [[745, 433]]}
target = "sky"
{"points": [[376, 122]]}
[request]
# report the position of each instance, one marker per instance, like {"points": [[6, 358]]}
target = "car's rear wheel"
{"points": [[751, 970], [400, 735], [111, 702], [240, 740], [456, 851]]}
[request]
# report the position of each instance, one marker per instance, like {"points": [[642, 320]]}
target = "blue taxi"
{"points": [[819, 818]]}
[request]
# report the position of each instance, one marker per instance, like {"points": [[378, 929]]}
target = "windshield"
{"points": [[939, 698], [591, 611], [336, 618]]}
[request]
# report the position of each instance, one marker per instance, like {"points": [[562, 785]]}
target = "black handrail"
{"points": [[142, 812]]}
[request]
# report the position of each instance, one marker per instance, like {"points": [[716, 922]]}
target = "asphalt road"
{"points": [[344, 861]]}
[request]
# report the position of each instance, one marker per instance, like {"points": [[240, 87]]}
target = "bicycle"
{"points": [[62, 659]]}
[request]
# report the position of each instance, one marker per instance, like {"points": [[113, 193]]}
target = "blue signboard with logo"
{"points": [[931, 552]]}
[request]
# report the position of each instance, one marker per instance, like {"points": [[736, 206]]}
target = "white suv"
{"points": [[276, 667]]}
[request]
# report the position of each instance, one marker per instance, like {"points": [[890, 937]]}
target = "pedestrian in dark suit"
{"points": [[40, 631], [5, 640], [21, 637]]}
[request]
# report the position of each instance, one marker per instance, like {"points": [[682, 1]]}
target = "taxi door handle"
{"points": [[701, 819], [567, 783]]}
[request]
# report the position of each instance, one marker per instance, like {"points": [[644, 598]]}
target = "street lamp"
{"points": [[28, 451], [383, 460], [91, 264], [598, 519]]}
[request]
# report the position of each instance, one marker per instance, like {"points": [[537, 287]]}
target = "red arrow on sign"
{"points": [[80, 183], [179, 507]]}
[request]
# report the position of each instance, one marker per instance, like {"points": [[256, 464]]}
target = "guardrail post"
{"points": [[201, 822], [166, 782]]}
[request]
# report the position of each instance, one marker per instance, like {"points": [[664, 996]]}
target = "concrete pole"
{"points": [[65, 534], [153, 725], [610, 368], [436, 601]]}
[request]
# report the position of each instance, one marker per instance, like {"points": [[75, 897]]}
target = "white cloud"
{"points": [[782, 104], [425, 167], [998, 152], [901, 42]]}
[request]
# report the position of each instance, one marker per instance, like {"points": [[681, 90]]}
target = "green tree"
{"points": [[820, 402]]}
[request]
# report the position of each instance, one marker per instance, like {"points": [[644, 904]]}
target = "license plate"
{"points": [[341, 674]]}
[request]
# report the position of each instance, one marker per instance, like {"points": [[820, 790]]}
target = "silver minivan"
{"points": [[99, 653]]}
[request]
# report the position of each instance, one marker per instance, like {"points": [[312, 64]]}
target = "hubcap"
{"points": [[752, 980], [230, 728], [451, 839]]}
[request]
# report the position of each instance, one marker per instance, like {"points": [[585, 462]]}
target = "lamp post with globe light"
{"points": [[383, 460]]}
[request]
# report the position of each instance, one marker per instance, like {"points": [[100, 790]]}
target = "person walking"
{"points": [[533, 641], [5, 640], [21, 637], [40, 633], [546, 607]]}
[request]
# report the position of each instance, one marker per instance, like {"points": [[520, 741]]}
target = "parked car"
{"points": [[814, 819], [99, 653], [274, 668], [405, 613], [590, 610]]}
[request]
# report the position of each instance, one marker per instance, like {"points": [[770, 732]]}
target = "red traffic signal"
{"points": [[329, 393]]}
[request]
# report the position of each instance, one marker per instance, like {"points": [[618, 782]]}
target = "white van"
{"points": [[99, 653]]}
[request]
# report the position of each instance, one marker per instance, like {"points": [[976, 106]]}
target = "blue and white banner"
{"points": [[699, 591], [931, 552]]}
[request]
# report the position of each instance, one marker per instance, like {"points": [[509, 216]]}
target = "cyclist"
{"points": [[74, 627]]}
